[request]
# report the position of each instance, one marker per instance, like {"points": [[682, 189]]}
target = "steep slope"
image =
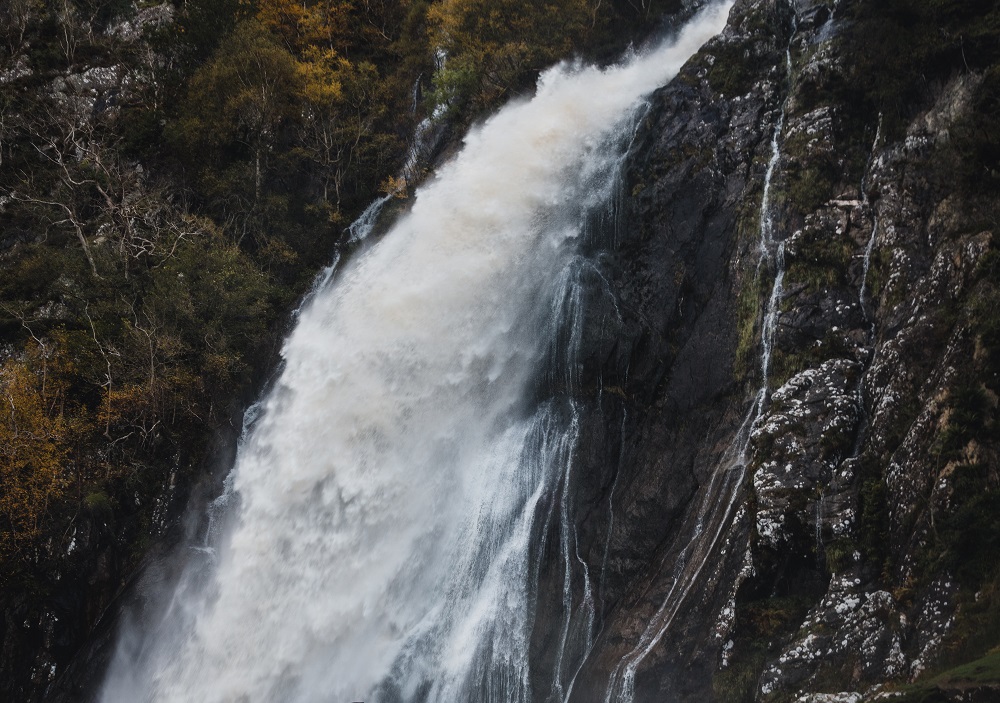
{"points": [[172, 176], [849, 545]]}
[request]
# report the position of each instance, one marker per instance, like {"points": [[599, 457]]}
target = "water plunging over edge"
{"points": [[376, 538]]}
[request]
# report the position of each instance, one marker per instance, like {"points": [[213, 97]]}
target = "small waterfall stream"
{"points": [[864, 417], [720, 495], [870, 247], [378, 539], [772, 252]]}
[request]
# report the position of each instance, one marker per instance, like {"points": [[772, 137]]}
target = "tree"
{"points": [[507, 40], [234, 109], [14, 23], [35, 438], [322, 94]]}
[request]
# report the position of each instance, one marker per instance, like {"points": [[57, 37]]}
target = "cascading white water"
{"points": [[385, 500], [772, 250], [363, 226]]}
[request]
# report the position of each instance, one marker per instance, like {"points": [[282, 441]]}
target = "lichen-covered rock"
{"points": [[820, 568], [754, 516], [800, 442], [82, 93], [906, 358], [146, 19]]}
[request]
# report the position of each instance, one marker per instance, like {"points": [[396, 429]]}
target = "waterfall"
{"points": [[360, 229], [775, 251], [378, 540], [819, 530], [864, 417], [866, 265]]}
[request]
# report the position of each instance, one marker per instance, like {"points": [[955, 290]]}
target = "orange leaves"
{"points": [[35, 438], [301, 25], [394, 186]]}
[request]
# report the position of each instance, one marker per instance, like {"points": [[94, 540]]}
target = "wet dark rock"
{"points": [[867, 354]]}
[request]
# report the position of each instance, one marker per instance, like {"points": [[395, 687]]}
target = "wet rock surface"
{"points": [[676, 265], [818, 578]]}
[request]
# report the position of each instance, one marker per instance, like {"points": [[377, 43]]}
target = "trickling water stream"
{"points": [[720, 495], [378, 536], [870, 247]]}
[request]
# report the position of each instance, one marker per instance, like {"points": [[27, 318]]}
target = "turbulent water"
{"points": [[381, 524]]}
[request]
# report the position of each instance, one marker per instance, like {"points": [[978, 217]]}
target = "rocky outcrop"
{"points": [[667, 500], [810, 562]]}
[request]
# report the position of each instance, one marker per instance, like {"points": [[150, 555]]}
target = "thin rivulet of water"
{"points": [[864, 419], [719, 497], [870, 247], [381, 539]]}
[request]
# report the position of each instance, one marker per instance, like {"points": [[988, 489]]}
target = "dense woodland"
{"points": [[173, 176]]}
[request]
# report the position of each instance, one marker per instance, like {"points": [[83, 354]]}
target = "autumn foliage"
{"points": [[32, 452], [37, 433]]}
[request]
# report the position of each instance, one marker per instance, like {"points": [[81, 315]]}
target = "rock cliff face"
{"points": [[807, 548]]}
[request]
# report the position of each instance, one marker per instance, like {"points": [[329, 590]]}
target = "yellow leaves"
{"points": [[394, 186], [35, 438], [313, 32], [319, 74], [123, 404], [326, 23], [44, 426], [304, 24], [282, 17]]}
